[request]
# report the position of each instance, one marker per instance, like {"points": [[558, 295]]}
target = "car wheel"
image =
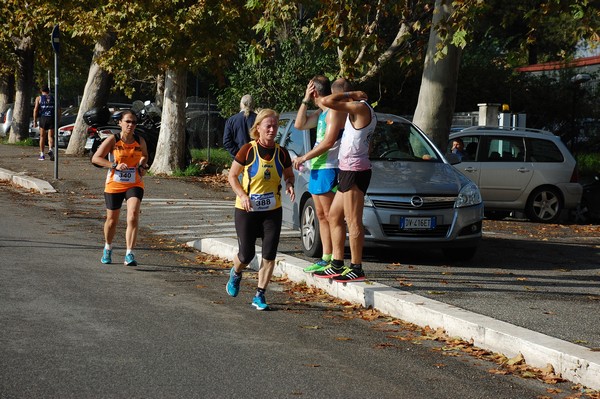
{"points": [[544, 205], [456, 254], [309, 225]]}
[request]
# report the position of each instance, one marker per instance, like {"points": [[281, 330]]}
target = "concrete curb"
{"points": [[32, 183], [573, 362]]}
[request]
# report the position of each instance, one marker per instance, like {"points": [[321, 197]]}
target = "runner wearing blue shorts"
{"points": [[323, 156]]}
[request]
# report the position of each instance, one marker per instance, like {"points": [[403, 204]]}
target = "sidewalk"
{"points": [[384, 292]]}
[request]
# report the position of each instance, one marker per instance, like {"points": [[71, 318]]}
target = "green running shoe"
{"points": [[317, 266]]}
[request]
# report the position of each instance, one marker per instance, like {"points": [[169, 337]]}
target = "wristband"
{"points": [[305, 102]]}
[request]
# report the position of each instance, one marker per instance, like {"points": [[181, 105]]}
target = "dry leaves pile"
{"points": [[396, 329]]}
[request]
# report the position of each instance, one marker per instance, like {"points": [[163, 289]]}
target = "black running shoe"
{"points": [[329, 272], [350, 274]]}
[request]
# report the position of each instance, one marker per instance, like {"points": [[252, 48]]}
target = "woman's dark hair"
{"points": [[127, 112]]}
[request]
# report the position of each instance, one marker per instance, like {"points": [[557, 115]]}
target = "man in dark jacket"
{"points": [[237, 128]]}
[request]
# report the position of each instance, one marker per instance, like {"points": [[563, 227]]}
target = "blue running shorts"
{"points": [[322, 181]]}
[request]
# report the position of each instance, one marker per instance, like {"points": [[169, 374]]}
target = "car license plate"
{"points": [[89, 143], [411, 223]]}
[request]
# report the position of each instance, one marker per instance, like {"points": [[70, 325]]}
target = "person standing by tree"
{"points": [[354, 179], [258, 210], [237, 127], [324, 155], [123, 182], [45, 108]]}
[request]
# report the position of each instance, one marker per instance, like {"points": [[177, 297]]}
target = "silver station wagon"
{"points": [[415, 199], [519, 169]]}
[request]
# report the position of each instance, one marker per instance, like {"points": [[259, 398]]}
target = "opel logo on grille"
{"points": [[416, 201]]}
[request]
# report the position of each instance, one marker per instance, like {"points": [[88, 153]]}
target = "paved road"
{"points": [[72, 327], [544, 278]]}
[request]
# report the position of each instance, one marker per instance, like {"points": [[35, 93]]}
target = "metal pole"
{"points": [[55, 40], [56, 115], [208, 126]]}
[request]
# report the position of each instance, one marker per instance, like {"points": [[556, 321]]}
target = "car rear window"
{"points": [[540, 150]]}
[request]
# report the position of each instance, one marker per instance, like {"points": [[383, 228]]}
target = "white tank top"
{"points": [[354, 145]]}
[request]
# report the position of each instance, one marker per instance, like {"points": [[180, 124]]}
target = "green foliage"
{"points": [[278, 79], [588, 164]]}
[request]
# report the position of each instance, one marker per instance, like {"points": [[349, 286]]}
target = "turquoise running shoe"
{"points": [[259, 302], [233, 285], [130, 260], [106, 256]]}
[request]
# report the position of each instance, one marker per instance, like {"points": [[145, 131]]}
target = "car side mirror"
{"points": [[452, 159]]}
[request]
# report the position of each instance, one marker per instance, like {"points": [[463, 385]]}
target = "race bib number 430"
{"points": [[263, 202], [125, 176]]}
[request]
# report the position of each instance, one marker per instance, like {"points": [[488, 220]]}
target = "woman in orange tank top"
{"points": [[127, 164]]}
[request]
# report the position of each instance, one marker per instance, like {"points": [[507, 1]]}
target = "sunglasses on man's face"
{"points": [[130, 122]]}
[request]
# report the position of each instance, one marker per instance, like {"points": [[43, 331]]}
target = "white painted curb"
{"points": [[27, 182], [573, 362]]}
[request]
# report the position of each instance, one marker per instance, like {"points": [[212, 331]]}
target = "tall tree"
{"points": [[438, 85], [95, 94], [361, 34], [27, 27]]}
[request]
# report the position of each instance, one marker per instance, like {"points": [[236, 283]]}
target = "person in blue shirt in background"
{"points": [[237, 127]]}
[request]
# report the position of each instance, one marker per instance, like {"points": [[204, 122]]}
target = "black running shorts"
{"points": [[114, 201], [347, 179]]}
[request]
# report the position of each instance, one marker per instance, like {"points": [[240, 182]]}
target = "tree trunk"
{"points": [[160, 90], [437, 95], [19, 129], [5, 92], [95, 94], [170, 150]]}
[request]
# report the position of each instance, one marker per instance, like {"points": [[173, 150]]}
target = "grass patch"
{"points": [[28, 142], [219, 157], [201, 165]]}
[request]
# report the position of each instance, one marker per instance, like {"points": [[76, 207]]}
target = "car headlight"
{"points": [[468, 196], [368, 201]]}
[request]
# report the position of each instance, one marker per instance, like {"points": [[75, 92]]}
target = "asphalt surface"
{"points": [[72, 327], [544, 278]]}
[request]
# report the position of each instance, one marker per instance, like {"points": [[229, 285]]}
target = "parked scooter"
{"points": [[588, 210], [105, 125]]}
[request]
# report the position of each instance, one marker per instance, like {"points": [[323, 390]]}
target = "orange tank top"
{"points": [[118, 181]]}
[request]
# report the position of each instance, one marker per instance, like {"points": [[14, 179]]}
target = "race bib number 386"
{"points": [[263, 202], [125, 176]]}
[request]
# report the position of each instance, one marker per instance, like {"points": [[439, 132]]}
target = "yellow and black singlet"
{"points": [[261, 180]]}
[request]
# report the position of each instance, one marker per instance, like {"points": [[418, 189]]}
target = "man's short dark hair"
{"points": [[322, 85], [341, 85], [45, 89]]}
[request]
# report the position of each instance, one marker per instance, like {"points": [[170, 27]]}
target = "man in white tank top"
{"points": [[354, 179]]}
